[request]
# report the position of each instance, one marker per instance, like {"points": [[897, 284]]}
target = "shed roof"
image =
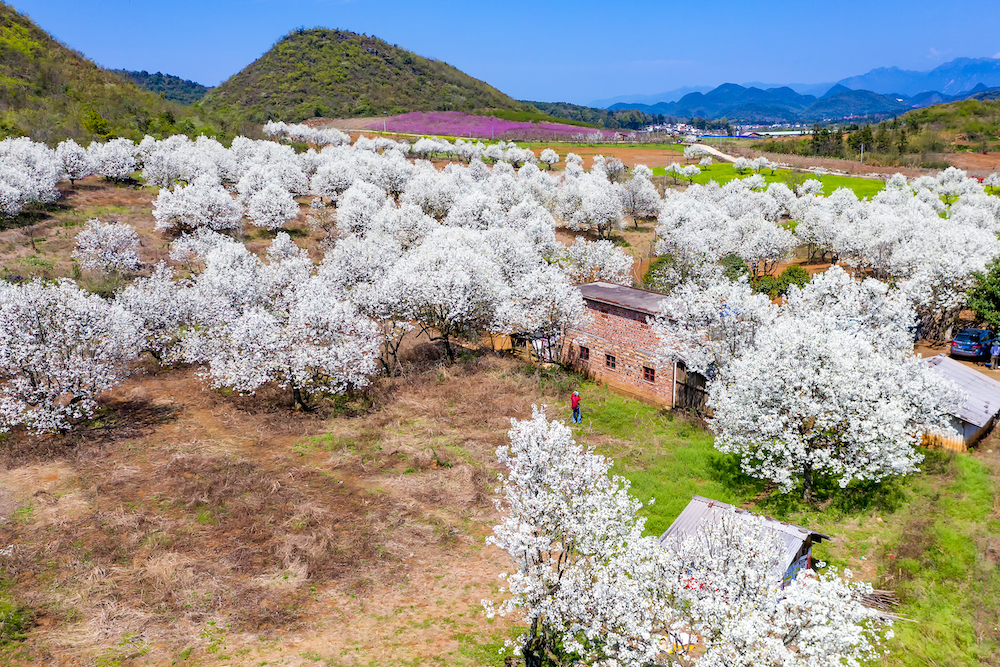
{"points": [[702, 509], [983, 393], [639, 300]]}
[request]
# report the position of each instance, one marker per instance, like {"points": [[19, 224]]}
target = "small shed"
{"points": [[976, 416], [798, 540]]}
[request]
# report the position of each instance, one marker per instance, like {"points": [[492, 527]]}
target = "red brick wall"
{"points": [[627, 336]]}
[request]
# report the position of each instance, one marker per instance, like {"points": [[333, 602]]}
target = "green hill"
{"points": [[171, 87], [50, 92], [336, 73], [973, 121]]}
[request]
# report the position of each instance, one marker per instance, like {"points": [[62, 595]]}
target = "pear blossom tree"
{"points": [[161, 306], [762, 244], [272, 206], [276, 322], [689, 172], [449, 286], [581, 567], [694, 152], [811, 399], [541, 305], [205, 203], [732, 611], [59, 349], [710, 321], [115, 160], [74, 160], [111, 247], [638, 195], [548, 157], [590, 261]]}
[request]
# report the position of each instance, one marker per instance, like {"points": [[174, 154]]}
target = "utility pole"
{"points": [[862, 153]]}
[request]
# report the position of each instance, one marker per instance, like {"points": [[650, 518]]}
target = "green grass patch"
{"points": [[488, 650], [723, 172], [663, 455], [15, 618]]}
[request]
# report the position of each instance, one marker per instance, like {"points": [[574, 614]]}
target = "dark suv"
{"points": [[973, 343]]}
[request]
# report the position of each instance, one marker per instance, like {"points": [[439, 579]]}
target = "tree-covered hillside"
{"points": [[50, 92], [171, 87], [336, 73], [630, 119]]}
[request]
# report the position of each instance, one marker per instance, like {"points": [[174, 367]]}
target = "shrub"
{"points": [[734, 266]]}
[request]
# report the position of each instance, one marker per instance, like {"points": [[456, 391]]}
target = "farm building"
{"points": [[977, 415], [798, 541], [616, 345]]}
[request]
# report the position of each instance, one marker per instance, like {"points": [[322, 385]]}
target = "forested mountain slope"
{"points": [[321, 72], [50, 92]]}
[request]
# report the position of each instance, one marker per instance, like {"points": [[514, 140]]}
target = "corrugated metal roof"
{"points": [[702, 509], [983, 393], [639, 300]]}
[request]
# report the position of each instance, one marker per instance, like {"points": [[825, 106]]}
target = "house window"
{"points": [[584, 353], [610, 361], [648, 374]]}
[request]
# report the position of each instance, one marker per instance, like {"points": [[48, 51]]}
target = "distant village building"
{"points": [[978, 414], [616, 344], [798, 541]]}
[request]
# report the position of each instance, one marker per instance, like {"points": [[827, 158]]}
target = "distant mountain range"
{"points": [[879, 93], [952, 78]]}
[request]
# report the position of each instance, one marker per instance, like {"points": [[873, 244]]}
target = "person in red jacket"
{"points": [[576, 407]]}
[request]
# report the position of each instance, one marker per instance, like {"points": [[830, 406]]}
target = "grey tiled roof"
{"points": [[639, 300]]}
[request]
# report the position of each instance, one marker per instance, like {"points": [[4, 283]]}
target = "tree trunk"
{"points": [[299, 404], [807, 483]]}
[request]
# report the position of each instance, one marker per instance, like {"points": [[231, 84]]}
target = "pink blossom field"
{"points": [[458, 124]]}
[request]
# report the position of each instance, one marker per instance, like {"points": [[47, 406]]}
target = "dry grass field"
{"points": [[184, 524]]}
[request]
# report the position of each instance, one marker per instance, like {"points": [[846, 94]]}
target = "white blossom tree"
{"points": [[707, 323], [74, 160], [111, 247], [590, 261], [581, 579], [161, 307], [115, 160], [548, 157], [638, 195], [59, 349], [725, 588], [202, 204], [272, 206], [449, 285], [276, 322], [813, 399], [592, 589]]}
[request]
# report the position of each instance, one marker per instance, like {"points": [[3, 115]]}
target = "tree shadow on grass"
{"points": [[118, 419], [828, 497]]}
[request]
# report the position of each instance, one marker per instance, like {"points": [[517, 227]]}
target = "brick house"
{"points": [[616, 345]]}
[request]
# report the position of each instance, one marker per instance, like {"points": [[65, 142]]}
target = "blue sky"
{"points": [[545, 50]]}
